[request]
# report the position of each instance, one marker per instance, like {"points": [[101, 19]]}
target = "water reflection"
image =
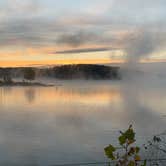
{"points": [[73, 122], [61, 94], [30, 95]]}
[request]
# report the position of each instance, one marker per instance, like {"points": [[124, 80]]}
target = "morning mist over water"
{"points": [[82, 83], [72, 123]]}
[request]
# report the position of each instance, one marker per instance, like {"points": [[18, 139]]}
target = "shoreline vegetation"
{"points": [[64, 72], [28, 77]]}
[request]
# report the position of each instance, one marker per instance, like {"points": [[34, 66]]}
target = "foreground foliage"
{"points": [[126, 154]]}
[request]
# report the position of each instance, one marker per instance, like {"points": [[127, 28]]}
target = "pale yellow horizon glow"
{"points": [[46, 57], [16, 63]]}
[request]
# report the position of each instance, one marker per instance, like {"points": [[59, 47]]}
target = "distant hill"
{"points": [[85, 71], [80, 71]]}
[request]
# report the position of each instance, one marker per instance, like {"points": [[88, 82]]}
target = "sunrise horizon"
{"points": [[51, 32], [82, 82], [43, 63]]}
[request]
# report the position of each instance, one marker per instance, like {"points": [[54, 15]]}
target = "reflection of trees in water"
{"points": [[30, 94], [4, 92]]}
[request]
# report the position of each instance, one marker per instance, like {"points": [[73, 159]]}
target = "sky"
{"points": [[46, 32]]}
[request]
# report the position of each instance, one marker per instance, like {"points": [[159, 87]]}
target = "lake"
{"points": [[73, 121]]}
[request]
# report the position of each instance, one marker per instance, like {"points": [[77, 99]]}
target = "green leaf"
{"points": [[130, 135], [122, 139], [127, 135], [109, 152]]}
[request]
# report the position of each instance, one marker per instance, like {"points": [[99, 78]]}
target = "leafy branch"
{"points": [[127, 154]]}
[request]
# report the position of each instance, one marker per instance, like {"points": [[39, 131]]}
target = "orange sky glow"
{"points": [[18, 63], [38, 33]]}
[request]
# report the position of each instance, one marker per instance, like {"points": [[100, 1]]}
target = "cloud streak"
{"points": [[84, 50]]}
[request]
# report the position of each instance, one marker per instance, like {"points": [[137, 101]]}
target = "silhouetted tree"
{"points": [[29, 74], [87, 71], [6, 75]]}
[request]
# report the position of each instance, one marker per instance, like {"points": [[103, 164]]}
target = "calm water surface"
{"points": [[73, 122]]}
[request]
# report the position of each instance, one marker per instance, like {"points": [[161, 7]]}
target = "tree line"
{"points": [[80, 71], [6, 74]]}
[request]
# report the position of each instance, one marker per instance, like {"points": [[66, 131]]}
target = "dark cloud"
{"points": [[85, 50], [77, 38], [34, 32]]}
